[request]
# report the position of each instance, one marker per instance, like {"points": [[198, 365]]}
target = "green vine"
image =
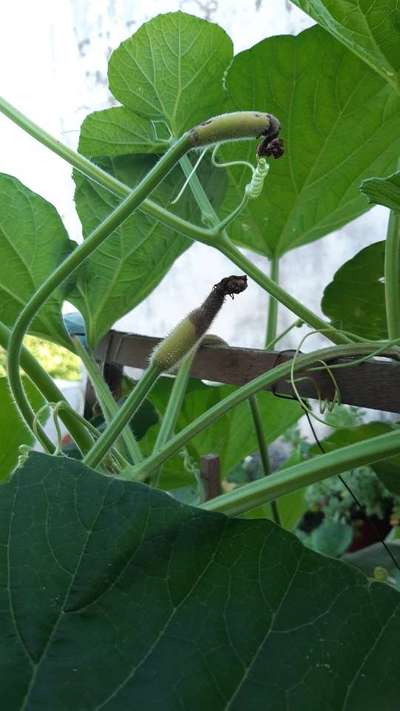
{"points": [[200, 234], [280, 372], [215, 236]]}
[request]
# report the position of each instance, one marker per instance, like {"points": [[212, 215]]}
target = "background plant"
{"points": [[57, 361]]}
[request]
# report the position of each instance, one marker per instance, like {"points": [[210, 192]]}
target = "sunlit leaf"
{"points": [[171, 70], [33, 242], [370, 29], [339, 123], [116, 132]]}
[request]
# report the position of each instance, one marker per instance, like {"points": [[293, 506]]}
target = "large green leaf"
{"points": [[355, 299], [383, 191], [33, 242], [131, 262], [233, 436], [171, 70], [115, 596], [339, 122], [370, 29], [116, 132], [169, 76], [13, 431]]}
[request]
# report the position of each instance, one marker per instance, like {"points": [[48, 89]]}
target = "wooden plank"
{"points": [[375, 384], [210, 476]]}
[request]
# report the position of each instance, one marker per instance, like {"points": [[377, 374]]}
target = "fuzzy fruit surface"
{"points": [[193, 327], [237, 125]]}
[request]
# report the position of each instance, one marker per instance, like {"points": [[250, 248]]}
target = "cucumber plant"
{"points": [[122, 587]]}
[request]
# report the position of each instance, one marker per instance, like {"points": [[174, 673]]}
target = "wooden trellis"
{"points": [[374, 384]]}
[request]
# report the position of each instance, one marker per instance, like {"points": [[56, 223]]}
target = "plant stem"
{"points": [[123, 463], [72, 262], [50, 391], [92, 171], [270, 284], [272, 326], [208, 215], [230, 250], [264, 380], [272, 319], [255, 412], [188, 229], [107, 403], [173, 409], [124, 414], [271, 344], [392, 275], [308, 472]]}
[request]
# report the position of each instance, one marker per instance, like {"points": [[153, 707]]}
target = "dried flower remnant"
{"points": [[270, 147]]}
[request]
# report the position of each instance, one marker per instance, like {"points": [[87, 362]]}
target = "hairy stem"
{"points": [[72, 262], [262, 447], [183, 339], [270, 284], [208, 216], [50, 391], [122, 462], [262, 381], [272, 319], [308, 472], [109, 407], [173, 409], [188, 229], [107, 181], [272, 326], [392, 275], [295, 324], [124, 414]]}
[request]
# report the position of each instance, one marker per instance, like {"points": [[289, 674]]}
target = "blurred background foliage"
{"points": [[57, 361]]}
